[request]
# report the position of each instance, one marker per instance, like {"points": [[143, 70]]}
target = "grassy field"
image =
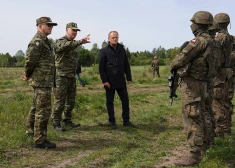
{"points": [[156, 142]]}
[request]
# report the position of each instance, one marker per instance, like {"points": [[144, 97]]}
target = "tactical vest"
{"points": [[200, 66]]}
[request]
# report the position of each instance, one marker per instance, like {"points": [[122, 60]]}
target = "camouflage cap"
{"points": [[73, 26], [222, 18], [46, 20]]}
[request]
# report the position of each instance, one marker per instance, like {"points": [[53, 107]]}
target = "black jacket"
{"points": [[114, 65]]}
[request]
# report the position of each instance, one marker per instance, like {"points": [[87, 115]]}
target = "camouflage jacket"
{"points": [[155, 63], [39, 64], [66, 57], [195, 56], [232, 64], [225, 40]]}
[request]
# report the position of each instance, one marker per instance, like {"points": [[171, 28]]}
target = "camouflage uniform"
{"points": [[231, 85], [215, 63], [194, 69], [220, 101], [65, 91], [39, 68], [155, 66]]}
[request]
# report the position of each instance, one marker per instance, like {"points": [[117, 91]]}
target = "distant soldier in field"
{"points": [[193, 86], [39, 70], [155, 66], [66, 64], [220, 103]]}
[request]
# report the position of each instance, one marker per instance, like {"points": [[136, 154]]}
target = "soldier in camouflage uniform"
{"points": [[215, 64], [66, 63], [192, 65], [39, 71], [231, 85], [220, 101], [155, 66]]}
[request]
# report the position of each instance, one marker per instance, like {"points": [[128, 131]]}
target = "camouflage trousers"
{"points": [[156, 69], [39, 114], [228, 115], [193, 109], [209, 117], [65, 93], [220, 107]]}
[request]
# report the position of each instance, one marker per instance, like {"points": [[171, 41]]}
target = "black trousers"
{"points": [[123, 95]]}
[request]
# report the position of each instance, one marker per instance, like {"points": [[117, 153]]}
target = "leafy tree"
{"points": [[128, 53], [85, 56], [20, 53], [6, 60], [104, 44], [95, 52]]}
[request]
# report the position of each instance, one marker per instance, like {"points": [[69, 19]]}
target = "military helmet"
{"points": [[222, 18], [215, 26], [202, 17]]}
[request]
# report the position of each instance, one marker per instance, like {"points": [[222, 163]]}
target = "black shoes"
{"points": [[46, 144], [128, 124], [59, 128], [71, 124], [113, 125]]}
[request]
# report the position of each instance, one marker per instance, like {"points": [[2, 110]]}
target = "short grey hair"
{"points": [[113, 32]]}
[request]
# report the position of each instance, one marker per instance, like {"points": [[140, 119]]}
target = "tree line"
{"points": [[91, 57]]}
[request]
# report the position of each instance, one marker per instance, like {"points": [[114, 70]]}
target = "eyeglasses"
{"points": [[49, 25]]}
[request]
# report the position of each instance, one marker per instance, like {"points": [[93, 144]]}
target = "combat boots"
{"points": [[59, 128], [187, 161], [128, 124], [46, 144], [71, 124]]}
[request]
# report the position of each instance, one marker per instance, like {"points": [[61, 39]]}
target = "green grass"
{"points": [[94, 144]]}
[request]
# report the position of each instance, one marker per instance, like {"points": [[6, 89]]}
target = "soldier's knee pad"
{"points": [[193, 110]]}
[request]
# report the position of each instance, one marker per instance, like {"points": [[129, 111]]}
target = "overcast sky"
{"points": [[142, 24]]}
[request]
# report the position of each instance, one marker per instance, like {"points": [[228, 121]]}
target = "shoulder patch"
{"points": [[36, 42], [193, 40]]}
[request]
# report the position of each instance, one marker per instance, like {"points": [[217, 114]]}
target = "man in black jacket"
{"points": [[113, 66]]}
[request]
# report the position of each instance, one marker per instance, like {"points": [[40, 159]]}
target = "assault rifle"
{"points": [[173, 80], [173, 84]]}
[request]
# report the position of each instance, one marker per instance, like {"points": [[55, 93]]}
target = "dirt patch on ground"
{"points": [[69, 162], [176, 154]]}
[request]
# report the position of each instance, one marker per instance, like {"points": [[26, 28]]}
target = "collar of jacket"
{"points": [[41, 35], [65, 37], [202, 33], [118, 46]]}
